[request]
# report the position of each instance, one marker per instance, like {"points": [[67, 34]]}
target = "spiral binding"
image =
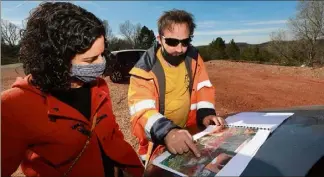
{"points": [[257, 128]]}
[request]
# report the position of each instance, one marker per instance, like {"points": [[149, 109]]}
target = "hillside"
{"points": [[261, 45]]}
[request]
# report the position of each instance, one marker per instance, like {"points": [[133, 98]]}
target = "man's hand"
{"points": [[180, 141], [213, 120]]}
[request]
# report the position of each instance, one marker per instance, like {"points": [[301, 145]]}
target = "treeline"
{"points": [[131, 36], [305, 47], [286, 53], [218, 50]]}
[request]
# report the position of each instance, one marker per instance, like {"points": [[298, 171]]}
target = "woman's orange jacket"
{"points": [[146, 96], [44, 134]]}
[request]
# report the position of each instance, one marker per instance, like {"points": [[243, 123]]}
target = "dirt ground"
{"points": [[239, 87]]}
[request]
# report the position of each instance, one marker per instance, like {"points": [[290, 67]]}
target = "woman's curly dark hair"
{"points": [[54, 34]]}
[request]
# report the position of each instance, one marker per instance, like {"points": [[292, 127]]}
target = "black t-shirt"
{"points": [[80, 99]]}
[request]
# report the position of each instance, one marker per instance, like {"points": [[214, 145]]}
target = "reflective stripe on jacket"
{"points": [[146, 97]]}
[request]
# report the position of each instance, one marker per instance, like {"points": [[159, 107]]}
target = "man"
{"points": [[170, 89]]}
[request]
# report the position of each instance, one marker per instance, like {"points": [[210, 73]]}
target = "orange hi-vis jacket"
{"points": [[146, 98]]}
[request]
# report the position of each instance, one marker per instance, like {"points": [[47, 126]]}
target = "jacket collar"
{"points": [[59, 110]]}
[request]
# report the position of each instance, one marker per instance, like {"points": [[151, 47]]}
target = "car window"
{"points": [[128, 58], [135, 57], [122, 57]]}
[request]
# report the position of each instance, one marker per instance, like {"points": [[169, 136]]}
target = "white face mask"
{"points": [[88, 73]]}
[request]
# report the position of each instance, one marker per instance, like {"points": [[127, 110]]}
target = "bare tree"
{"points": [[277, 44], [130, 31], [287, 52], [308, 26], [2, 41], [10, 33], [109, 33]]}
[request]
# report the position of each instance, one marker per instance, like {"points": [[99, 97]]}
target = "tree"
{"points": [[10, 33], [265, 56], [145, 39], [130, 31], [205, 52], [109, 34], [217, 48], [10, 42], [249, 53], [308, 26], [118, 44], [232, 50], [287, 52]]}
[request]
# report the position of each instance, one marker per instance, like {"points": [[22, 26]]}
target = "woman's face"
{"points": [[93, 55]]}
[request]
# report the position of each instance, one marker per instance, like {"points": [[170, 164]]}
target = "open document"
{"points": [[224, 152]]}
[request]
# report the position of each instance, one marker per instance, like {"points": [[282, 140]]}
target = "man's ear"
{"points": [[158, 38]]}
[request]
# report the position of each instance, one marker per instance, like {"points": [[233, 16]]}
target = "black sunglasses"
{"points": [[174, 42]]}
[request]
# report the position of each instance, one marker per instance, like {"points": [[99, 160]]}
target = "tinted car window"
{"points": [[125, 57], [129, 58], [125, 61], [135, 57]]}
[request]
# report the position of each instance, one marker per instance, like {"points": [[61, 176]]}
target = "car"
{"points": [[295, 148], [121, 62]]}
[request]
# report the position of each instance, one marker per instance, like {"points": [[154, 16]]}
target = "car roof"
{"points": [[303, 133], [127, 50]]}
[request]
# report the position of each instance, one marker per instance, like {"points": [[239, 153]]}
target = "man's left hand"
{"points": [[214, 120]]}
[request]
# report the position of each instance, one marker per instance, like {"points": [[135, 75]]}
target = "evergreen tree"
{"points": [[217, 49], [251, 53], [145, 39], [232, 50]]}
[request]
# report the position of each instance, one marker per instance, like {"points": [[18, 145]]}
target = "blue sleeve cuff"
{"points": [[160, 129]]}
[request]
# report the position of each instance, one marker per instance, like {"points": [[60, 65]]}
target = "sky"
{"points": [[243, 21]]}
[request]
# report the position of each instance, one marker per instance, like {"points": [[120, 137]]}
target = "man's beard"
{"points": [[173, 60]]}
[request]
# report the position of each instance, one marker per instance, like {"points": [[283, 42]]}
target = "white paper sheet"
{"points": [[239, 162], [207, 130], [269, 121]]}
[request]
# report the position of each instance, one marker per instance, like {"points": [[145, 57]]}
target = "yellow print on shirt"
{"points": [[187, 81]]}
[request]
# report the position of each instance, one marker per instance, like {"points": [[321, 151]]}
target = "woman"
{"points": [[58, 120]]}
